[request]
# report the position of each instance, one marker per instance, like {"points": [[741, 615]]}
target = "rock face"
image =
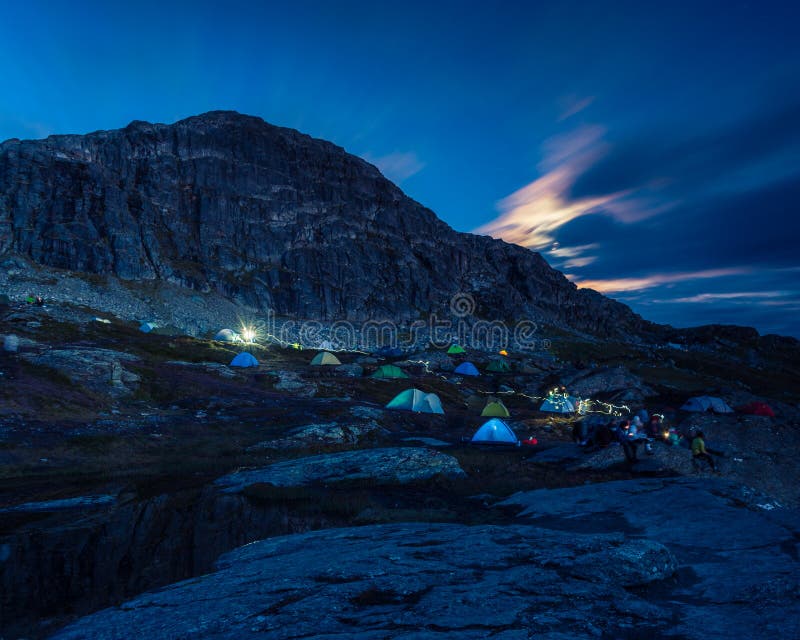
{"points": [[397, 464], [401, 581], [739, 566], [270, 218]]}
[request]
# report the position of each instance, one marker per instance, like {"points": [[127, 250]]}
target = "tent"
{"points": [[416, 400], [244, 360], [757, 409], [496, 408], [147, 327], [226, 335], [495, 431], [325, 358], [466, 369], [706, 403], [503, 352], [455, 350], [498, 366], [389, 371], [559, 403]]}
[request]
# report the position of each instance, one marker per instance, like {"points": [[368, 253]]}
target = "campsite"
{"points": [[399, 321], [182, 411]]}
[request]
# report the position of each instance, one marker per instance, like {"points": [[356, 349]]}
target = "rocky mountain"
{"points": [[270, 218]]}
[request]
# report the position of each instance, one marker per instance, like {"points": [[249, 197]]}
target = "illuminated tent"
{"points": [[757, 409], [416, 400], [559, 403], [466, 369], [706, 403], [226, 335], [503, 352], [244, 360], [325, 358], [495, 431], [388, 371], [498, 366], [495, 409], [455, 350], [147, 327]]}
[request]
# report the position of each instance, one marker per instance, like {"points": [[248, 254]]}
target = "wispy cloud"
{"points": [[617, 285], [572, 105], [397, 166], [531, 215]]}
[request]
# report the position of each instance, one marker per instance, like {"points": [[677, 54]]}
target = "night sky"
{"points": [[648, 150]]}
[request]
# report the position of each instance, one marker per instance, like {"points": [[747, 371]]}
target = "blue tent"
{"points": [[495, 431], [467, 369], [244, 359], [147, 327]]}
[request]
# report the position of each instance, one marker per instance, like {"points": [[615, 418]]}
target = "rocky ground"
{"points": [[131, 461]]}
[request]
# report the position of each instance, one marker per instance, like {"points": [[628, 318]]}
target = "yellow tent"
{"points": [[495, 409], [325, 358]]}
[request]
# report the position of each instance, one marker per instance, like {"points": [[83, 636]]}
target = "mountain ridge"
{"points": [[271, 218]]}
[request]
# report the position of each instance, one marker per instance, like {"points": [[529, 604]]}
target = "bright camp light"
{"points": [[248, 334]]}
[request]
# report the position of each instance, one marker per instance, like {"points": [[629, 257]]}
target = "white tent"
{"points": [[416, 400], [226, 335], [706, 403], [495, 431], [559, 403]]}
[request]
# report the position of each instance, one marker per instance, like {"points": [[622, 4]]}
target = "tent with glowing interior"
{"points": [[467, 369], [455, 350], [147, 327], [559, 403], [416, 400], [244, 360], [226, 335], [498, 366], [389, 371], [495, 431], [701, 404], [496, 409], [325, 358]]}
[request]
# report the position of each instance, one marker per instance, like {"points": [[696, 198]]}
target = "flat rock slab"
{"points": [[408, 580], [396, 464], [64, 504], [741, 562]]}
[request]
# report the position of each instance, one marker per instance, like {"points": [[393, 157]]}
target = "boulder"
{"points": [[392, 465], [406, 581]]}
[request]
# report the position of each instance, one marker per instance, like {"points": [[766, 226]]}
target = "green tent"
{"points": [[495, 409], [416, 400], [389, 371], [325, 358], [455, 349], [499, 366]]}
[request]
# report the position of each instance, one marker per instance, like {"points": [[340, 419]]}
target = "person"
{"points": [[699, 450], [626, 440], [653, 431]]}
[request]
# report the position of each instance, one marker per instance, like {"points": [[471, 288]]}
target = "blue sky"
{"points": [[651, 151]]}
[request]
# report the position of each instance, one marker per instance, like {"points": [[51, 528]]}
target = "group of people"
{"points": [[636, 431]]}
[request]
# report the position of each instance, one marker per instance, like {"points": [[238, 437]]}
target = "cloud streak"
{"points": [[398, 166]]}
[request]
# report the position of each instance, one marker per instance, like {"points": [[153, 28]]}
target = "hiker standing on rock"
{"points": [[699, 450]]}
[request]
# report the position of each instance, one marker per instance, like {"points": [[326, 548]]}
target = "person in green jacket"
{"points": [[699, 450]]}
